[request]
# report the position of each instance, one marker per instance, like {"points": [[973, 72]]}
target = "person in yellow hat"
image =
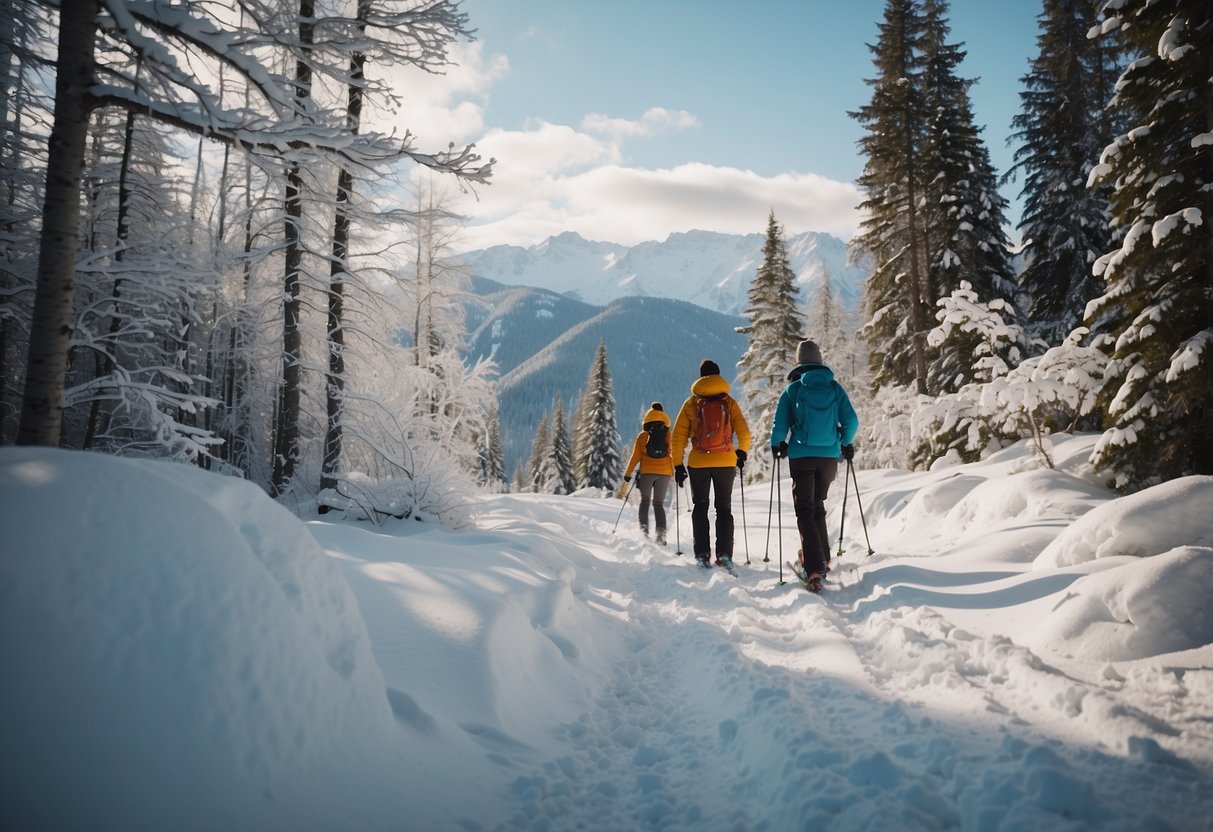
{"points": [[651, 451], [708, 421]]}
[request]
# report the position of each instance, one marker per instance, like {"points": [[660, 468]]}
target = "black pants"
{"points": [[811, 478], [652, 491], [703, 482]]}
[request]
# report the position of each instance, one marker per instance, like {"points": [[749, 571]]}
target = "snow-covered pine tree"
{"points": [[896, 299], [1159, 298], [599, 446], [539, 452], [580, 437], [828, 323], [977, 334], [1061, 129], [557, 467], [775, 326], [494, 453], [964, 213]]}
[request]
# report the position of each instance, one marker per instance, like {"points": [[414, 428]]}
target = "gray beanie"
{"points": [[808, 353]]}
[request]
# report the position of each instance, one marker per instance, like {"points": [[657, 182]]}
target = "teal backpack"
{"points": [[815, 426]]}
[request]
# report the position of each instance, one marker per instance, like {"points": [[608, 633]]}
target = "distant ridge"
{"points": [[544, 344], [706, 268]]}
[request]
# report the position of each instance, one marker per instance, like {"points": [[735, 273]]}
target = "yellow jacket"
{"points": [[687, 421], [648, 465]]}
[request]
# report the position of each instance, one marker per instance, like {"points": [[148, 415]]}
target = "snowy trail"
{"points": [[743, 704]]}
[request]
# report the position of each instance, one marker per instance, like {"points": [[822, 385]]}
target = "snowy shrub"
{"points": [[1046, 393], [974, 336], [885, 426], [1043, 395]]}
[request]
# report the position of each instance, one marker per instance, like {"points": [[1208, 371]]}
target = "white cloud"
{"points": [[442, 108], [551, 178], [655, 120]]}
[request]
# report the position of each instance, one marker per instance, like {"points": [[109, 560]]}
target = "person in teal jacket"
{"points": [[814, 425]]}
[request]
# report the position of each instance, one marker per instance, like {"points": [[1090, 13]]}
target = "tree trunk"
{"points": [[104, 363], [338, 274], [287, 439], [50, 328]]}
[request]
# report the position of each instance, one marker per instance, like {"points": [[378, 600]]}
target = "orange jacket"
{"points": [[687, 421], [648, 465]]}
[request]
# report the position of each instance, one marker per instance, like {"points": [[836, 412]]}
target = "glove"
{"points": [[780, 451], [680, 474], [741, 455], [627, 477], [848, 452]]}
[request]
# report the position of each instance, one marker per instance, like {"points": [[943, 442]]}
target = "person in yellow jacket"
{"points": [[708, 421], [652, 451]]}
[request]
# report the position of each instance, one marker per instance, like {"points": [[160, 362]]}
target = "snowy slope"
{"points": [[706, 268], [1022, 651]]}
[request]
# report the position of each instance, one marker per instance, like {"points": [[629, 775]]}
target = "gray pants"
{"points": [[653, 488]]}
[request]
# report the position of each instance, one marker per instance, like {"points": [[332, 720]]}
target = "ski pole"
{"points": [[779, 514], [626, 494], [677, 524], [851, 469], [744, 535], [846, 484], [766, 556]]}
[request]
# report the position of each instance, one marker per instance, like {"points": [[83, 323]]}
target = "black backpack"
{"points": [[658, 444]]}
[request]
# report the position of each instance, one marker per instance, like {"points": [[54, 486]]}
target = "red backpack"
{"points": [[714, 431]]}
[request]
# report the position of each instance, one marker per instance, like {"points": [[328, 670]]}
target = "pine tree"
{"points": [[1159, 300], [556, 471], [965, 214], [599, 446], [1062, 129], [775, 327], [538, 455], [892, 232], [827, 321], [490, 471]]}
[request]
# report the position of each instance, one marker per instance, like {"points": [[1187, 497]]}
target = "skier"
{"points": [[652, 451], [817, 413], [708, 420]]}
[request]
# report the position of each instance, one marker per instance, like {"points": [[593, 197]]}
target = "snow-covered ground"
{"points": [[1023, 651]]}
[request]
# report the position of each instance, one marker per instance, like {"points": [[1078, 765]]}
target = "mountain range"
{"points": [[660, 308], [706, 268], [544, 345]]}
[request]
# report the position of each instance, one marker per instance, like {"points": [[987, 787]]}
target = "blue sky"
{"points": [[625, 120]]}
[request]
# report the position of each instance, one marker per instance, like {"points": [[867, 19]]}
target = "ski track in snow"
{"points": [[743, 704]]}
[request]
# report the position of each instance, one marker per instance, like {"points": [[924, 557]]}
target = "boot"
{"points": [[660, 536], [644, 529]]}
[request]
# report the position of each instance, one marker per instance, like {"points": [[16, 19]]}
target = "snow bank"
{"points": [[909, 513], [1138, 609], [179, 653], [1156, 520]]}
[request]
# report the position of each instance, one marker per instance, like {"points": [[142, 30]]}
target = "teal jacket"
{"points": [[814, 414]]}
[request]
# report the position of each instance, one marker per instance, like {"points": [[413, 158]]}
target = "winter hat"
{"points": [[656, 406], [708, 367], [808, 353]]}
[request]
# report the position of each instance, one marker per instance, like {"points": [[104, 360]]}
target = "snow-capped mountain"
{"points": [[706, 268], [544, 343]]}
